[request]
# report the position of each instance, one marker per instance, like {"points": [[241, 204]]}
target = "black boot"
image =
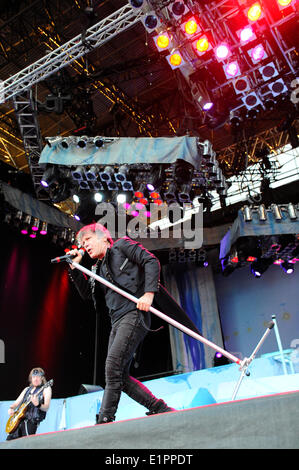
{"points": [[159, 407], [102, 419], [108, 406]]}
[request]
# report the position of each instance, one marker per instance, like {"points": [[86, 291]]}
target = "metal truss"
{"points": [[92, 38], [26, 114]]}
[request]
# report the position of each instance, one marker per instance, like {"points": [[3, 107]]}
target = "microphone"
{"points": [[66, 257]]}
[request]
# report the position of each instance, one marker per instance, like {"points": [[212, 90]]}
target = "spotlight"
{"points": [[292, 211], [222, 51], [178, 9], [82, 141], [268, 71], [170, 193], [278, 87], [136, 3], [98, 142], [190, 27], [246, 34], [184, 193], [121, 174], [76, 198], [151, 21], [121, 198], [284, 3], [241, 85], [78, 174], [25, 225], [162, 41], [202, 45], [183, 172], [254, 13], [207, 106], [257, 53], [175, 60], [106, 174], [251, 100], [64, 144], [91, 173], [98, 197], [231, 70], [220, 360], [44, 228], [49, 176], [140, 193], [235, 118], [287, 267], [259, 266], [35, 225]]}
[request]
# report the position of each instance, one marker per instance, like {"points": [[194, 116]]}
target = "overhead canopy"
{"points": [[257, 228], [130, 150]]}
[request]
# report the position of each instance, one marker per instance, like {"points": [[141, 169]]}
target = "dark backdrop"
{"points": [[45, 323]]}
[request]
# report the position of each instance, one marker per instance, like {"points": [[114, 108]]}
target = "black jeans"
{"points": [[126, 334], [25, 428]]}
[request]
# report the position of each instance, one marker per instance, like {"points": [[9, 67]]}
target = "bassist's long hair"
{"points": [[41, 373]]}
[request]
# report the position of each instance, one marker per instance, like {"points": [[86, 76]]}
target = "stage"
{"points": [[264, 415]]}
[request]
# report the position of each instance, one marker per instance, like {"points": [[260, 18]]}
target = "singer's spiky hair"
{"points": [[99, 229]]}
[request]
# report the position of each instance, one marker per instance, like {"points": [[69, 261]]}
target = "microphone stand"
{"points": [[242, 363]]}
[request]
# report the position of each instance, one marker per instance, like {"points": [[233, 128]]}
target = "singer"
{"points": [[130, 266]]}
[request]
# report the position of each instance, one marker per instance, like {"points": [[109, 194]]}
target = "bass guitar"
{"points": [[14, 420]]}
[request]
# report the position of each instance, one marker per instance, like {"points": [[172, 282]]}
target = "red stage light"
{"points": [[222, 51], [254, 13], [155, 195], [232, 69], [246, 34], [138, 194], [258, 53]]}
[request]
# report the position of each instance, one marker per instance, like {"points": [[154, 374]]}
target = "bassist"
{"points": [[37, 408]]}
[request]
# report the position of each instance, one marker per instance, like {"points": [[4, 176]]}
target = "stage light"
{"points": [[202, 45], [259, 266], [140, 191], [278, 87], [98, 141], [162, 41], [78, 173], [127, 186], [246, 34], [121, 174], [44, 228], [235, 118], [284, 3], [170, 193], [25, 225], [268, 71], [91, 173], [136, 3], [82, 141], [222, 51], [76, 198], [254, 13], [287, 267], [241, 85], [251, 100], [49, 176], [207, 106], [98, 197], [175, 60], [151, 21], [155, 195], [190, 27], [184, 193], [35, 224], [178, 9], [64, 144], [106, 174], [292, 211], [121, 198], [231, 70], [257, 53]]}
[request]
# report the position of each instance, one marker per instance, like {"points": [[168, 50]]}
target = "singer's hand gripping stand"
{"points": [[242, 363]]}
